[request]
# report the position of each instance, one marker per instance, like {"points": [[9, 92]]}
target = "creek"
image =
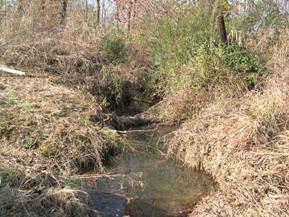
{"points": [[143, 183]]}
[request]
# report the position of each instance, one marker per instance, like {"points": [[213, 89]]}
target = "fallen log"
{"points": [[12, 71]]}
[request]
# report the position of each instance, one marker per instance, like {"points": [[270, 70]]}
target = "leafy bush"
{"points": [[188, 58], [213, 63], [242, 62], [208, 66], [173, 40], [114, 47]]}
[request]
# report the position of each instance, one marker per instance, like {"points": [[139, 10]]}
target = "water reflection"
{"points": [[146, 185]]}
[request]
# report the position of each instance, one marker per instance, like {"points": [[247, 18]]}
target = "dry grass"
{"points": [[75, 55], [26, 194], [187, 103], [46, 123], [45, 131], [45, 135], [244, 144], [53, 52], [33, 40]]}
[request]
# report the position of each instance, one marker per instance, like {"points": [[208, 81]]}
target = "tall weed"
{"points": [[188, 54]]}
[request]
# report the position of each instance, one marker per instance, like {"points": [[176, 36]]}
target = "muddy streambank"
{"points": [[141, 182]]}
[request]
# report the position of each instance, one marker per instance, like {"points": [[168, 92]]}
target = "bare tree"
{"points": [[218, 13], [97, 12], [222, 29], [86, 10], [129, 12], [63, 11], [117, 16], [20, 7]]}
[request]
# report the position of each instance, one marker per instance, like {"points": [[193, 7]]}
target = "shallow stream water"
{"points": [[142, 183]]}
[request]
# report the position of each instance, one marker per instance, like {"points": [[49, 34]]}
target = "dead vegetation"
{"points": [[73, 53], [26, 193], [243, 143], [75, 63], [49, 52], [52, 121], [46, 136], [46, 133]]}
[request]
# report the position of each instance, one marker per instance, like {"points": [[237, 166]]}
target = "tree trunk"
{"points": [[222, 29], [63, 11], [103, 14], [97, 12], [134, 9], [117, 16], [129, 16], [20, 7], [86, 10]]}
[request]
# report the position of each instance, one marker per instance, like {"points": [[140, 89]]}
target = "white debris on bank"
{"points": [[12, 71]]}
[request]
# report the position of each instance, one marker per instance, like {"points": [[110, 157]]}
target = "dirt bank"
{"points": [[244, 144]]}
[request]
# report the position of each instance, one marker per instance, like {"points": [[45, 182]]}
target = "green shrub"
{"points": [[241, 60], [173, 40], [186, 53], [114, 47], [208, 66], [211, 62], [245, 64]]}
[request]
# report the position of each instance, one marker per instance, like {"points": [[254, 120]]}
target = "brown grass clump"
{"points": [[244, 144], [43, 123], [34, 39], [53, 52], [79, 61], [24, 193], [186, 102], [31, 40]]}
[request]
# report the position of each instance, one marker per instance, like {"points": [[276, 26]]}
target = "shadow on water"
{"points": [[112, 205], [144, 184]]}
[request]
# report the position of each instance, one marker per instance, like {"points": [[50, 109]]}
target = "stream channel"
{"points": [[142, 183]]}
